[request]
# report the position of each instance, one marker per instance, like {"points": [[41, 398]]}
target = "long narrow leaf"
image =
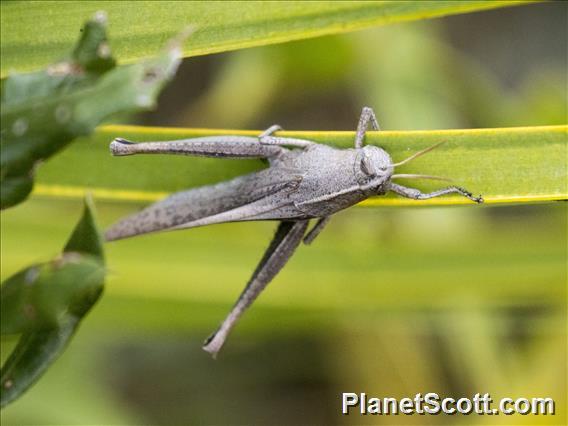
{"points": [[34, 33], [508, 165]]}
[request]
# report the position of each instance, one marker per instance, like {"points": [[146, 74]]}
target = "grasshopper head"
{"points": [[373, 167]]}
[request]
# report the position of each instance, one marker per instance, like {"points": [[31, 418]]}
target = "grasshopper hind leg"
{"points": [[238, 199], [287, 238]]}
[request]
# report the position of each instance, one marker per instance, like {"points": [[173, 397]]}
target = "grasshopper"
{"points": [[305, 180]]}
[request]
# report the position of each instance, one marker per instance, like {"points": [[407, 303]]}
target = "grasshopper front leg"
{"points": [[416, 194], [266, 138], [367, 117]]}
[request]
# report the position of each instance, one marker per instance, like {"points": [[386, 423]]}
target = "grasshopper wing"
{"points": [[239, 199]]}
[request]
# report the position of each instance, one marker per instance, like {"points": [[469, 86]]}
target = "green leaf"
{"points": [[35, 352], [86, 238], [44, 111], [90, 50], [34, 33], [41, 295], [46, 303], [507, 165]]}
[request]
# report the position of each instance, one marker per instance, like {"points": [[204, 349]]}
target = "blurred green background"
{"points": [[391, 301]]}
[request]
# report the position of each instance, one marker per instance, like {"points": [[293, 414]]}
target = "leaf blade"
{"points": [[86, 238], [45, 303], [138, 29], [33, 355], [506, 165]]}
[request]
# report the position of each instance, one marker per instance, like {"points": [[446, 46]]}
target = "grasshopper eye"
{"points": [[366, 167]]}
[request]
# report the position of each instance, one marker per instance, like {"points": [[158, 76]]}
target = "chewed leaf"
{"points": [[46, 302], [43, 112], [92, 52]]}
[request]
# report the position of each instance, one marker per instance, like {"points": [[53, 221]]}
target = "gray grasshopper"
{"points": [[305, 180]]}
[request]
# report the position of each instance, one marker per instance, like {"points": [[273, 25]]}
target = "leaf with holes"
{"points": [[43, 112]]}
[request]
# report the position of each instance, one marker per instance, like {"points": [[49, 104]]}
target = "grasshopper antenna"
{"points": [[418, 154], [414, 176]]}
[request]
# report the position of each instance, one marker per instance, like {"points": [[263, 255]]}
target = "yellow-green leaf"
{"points": [[35, 33], [507, 165]]}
